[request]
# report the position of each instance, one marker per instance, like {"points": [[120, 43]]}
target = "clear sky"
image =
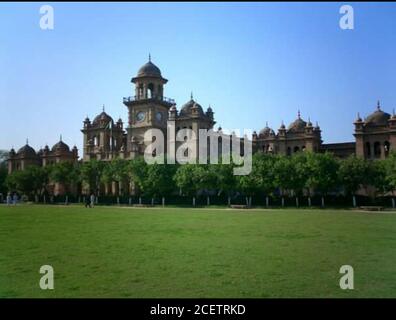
{"points": [[252, 62]]}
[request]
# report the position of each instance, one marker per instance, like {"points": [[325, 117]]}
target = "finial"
{"points": [[393, 113], [266, 124], [149, 57], [103, 108], [60, 137], [299, 114], [378, 105], [192, 98], [27, 141]]}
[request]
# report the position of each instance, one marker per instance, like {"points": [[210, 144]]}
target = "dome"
{"points": [[60, 146], [378, 117], [298, 125], [266, 131], [26, 151], [103, 117], [149, 70], [186, 109]]}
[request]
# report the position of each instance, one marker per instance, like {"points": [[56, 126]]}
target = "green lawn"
{"points": [[134, 252]]}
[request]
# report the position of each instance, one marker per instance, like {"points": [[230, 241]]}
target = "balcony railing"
{"points": [[157, 98]]}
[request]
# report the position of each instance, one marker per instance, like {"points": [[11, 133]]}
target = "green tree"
{"points": [[158, 181], [389, 167], [185, 179], [322, 173], [136, 170], [66, 173], [31, 181], [91, 174]]}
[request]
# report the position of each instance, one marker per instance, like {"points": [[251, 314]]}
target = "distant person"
{"points": [[9, 200], [15, 199], [87, 202], [92, 200]]}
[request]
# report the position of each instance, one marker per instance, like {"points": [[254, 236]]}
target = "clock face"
{"points": [[140, 116], [158, 116]]}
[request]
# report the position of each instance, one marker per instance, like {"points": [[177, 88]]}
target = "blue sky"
{"points": [[252, 62]]}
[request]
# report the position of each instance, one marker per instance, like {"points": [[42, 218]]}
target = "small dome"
{"points": [[26, 151], [60, 146], [186, 110], [378, 117], [298, 125], [149, 70], [267, 131], [103, 117]]}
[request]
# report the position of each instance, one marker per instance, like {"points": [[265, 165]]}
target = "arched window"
{"points": [[150, 91], [140, 91], [368, 150], [386, 148], [377, 149]]}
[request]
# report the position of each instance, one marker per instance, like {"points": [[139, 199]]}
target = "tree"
{"points": [[322, 173], [252, 183], [354, 173], [65, 173], [225, 179], [136, 170], [185, 179], [91, 174], [31, 181], [390, 172], [158, 181]]}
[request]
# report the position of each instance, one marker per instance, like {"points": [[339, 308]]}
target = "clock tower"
{"points": [[148, 108]]}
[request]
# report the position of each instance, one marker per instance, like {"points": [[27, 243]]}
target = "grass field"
{"points": [[150, 252]]}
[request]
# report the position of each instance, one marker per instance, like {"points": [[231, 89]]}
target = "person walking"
{"points": [[87, 202], [92, 200], [15, 199], [9, 199]]}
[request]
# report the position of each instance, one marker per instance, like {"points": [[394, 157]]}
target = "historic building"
{"points": [[376, 135], [148, 108], [27, 156], [298, 136], [104, 139]]}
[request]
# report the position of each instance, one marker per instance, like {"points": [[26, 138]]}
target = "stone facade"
{"points": [[27, 156], [376, 135], [148, 108]]}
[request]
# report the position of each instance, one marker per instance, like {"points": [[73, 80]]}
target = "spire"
{"points": [[299, 114], [60, 137], [149, 57], [27, 141], [103, 108], [266, 124], [192, 98], [378, 105]]}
